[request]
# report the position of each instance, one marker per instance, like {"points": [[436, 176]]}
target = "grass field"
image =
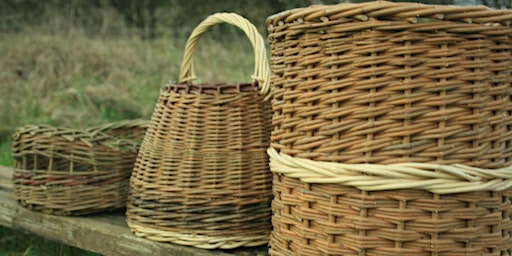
{"points": [[72, 79]]}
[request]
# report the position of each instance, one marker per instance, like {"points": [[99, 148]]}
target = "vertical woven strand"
{"points": [[476, 110], [333, 219], [400, 225], [407, 80], [502, 79], [440, 141], [371, 106]]}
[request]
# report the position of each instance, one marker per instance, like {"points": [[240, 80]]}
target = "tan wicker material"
{"points": [[392, 130], [330, 219], [67, 171], [202, 177], [383, 82]]}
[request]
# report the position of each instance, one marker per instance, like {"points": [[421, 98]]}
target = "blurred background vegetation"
{"points": [[154, 18], [82, 62]]}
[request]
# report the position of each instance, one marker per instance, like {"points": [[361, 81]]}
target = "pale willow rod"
{"points": [[261, 66], [435, 178]]}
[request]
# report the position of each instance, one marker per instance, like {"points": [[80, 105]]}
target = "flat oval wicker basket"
{"points": [[67, 171], [392, 130], [202, 177]]}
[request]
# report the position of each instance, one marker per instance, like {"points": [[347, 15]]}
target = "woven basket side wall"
{"points": [[385, 90], [328, 219], [202, 170], [78, 193]]}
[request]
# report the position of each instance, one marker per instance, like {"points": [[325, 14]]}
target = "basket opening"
{"points": [[211, 89]]}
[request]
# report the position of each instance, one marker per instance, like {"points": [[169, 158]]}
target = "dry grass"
{"points": [[75, 80]]}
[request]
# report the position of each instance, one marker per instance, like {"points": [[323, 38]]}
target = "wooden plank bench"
{"points": [[105, 233]]}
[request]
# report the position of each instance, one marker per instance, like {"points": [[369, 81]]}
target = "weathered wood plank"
{"points": [[105, 233], [5, 178]]}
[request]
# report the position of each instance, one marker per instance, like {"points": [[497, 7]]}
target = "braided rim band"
{"points": [[435, 178], [261, 66]]}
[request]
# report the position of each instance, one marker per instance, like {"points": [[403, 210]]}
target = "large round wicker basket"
{"points": [[392, 130]]}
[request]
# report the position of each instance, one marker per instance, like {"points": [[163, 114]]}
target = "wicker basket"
{"points": [[74, 172], [392, 130], [202, 177]]}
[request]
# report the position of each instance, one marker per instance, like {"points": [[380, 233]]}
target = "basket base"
{"points": [[199, 241]]}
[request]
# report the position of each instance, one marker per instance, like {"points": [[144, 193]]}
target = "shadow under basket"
{"points": [[66, 171], [392, 130]]}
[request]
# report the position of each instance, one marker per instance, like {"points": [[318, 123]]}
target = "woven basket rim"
{"points": [[407, 11], [95, 135], [211, 88], [138, 123], [200, 241]]}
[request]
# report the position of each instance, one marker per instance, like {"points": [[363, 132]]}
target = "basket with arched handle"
{"points": [[391, 130], [201, 177]]}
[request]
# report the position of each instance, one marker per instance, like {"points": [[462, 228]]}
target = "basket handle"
{"points": [[261, 69]]}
